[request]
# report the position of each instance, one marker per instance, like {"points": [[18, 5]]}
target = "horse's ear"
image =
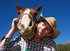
{"points": [[18, 6], [38, 8]]}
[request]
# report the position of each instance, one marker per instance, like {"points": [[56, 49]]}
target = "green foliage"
{"points": [[63, 47]]}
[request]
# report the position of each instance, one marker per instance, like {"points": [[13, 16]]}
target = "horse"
{"points": [[27, 21]]}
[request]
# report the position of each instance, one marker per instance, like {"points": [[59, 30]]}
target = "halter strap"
{"points": [[29, 15]]}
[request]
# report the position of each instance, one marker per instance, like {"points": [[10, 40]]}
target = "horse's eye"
{"points": [[35, 13], [18, 13], [30, 24]]}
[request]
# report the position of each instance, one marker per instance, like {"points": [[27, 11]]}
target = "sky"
{"points": [[59, 9]]}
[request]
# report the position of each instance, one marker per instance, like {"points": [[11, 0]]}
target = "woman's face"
{"points": [[43, 29]]}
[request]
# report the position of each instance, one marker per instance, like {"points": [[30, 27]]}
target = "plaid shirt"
{"points": [[20, 44]]}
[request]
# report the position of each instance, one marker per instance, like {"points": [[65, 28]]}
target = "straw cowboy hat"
{"points": [[52, 23]]}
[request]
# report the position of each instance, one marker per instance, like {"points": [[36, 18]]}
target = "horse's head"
{"points": [[27, 21]]}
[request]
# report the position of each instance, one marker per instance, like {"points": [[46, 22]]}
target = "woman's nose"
{"points": [[41, 27]]}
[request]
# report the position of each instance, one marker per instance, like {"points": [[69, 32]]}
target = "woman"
{"points": [[42, 41]]}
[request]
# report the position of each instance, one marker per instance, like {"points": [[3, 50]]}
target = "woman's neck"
{"points": [[37, 39]]}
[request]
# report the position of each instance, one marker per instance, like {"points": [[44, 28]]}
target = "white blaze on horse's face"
{"points": [[25, 19]]}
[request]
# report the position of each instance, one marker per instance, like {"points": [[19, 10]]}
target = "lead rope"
{"points": [[27, 46], [27, 49]]}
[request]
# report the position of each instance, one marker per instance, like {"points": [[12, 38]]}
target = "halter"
{"points": [[29, 15]]}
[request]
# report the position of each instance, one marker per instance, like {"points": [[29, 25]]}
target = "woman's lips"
{"points": [[39, 33]]}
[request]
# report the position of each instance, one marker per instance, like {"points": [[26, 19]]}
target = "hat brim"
{"points": [[55, 32], [41, 18]]}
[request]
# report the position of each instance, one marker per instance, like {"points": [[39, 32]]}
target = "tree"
{"points": [[63, 47]]}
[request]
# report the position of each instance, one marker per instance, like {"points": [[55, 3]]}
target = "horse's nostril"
{"points": [[30, 24]]}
